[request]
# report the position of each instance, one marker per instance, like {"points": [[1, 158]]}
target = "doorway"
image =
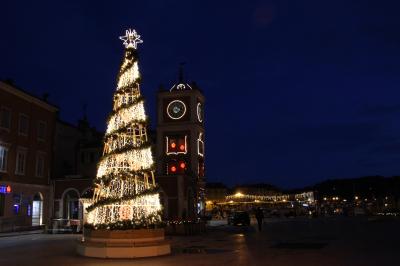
{"points": [[37, 209], [71, 205]]}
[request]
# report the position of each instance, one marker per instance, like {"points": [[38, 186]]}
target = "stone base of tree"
{"points": [[185, 229], [123, 243]]}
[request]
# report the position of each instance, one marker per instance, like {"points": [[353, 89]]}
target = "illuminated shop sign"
{"points": [[5, 189]]}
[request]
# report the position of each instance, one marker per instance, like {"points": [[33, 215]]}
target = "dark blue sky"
{"points": [[297, 91]]}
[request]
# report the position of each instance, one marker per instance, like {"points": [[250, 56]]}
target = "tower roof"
{"points": [[181, 85]]}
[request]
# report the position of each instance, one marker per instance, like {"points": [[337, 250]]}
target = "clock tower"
{"points": [[180, 149]]}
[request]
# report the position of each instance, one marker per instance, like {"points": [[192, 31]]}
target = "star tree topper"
{"points": [[131, 39]]}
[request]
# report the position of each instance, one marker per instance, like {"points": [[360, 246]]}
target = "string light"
{"points": [[131, 39], [180, 86], [305, 196], [126, 116], [199, 112], [125, 186], [182, 148], [200, 145]]}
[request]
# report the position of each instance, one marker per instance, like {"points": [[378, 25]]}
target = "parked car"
{"points": [[239, 218]]}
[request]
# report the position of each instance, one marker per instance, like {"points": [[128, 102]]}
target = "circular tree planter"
{"points": [[123, 243]]}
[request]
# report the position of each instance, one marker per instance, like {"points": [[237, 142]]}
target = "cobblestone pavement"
{"points": [[328, 241]]}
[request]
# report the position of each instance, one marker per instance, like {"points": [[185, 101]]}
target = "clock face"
{"points": [[200, 114], [176, 109]]}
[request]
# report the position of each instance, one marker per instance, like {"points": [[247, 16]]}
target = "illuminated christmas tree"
{"points": [[125, 194]]}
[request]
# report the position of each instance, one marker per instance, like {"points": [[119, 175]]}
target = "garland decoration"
{"points": [[125, 194]]}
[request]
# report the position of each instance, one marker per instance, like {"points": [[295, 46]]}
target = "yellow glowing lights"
{"points": [[238, 195], [126, 116], [125, 210], [118, 198], [130, 160], [241, 196], [129, 76]]}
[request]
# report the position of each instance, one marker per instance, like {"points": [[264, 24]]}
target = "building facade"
{"points": [[77, 151], [26, 148], [180, 150], [216, 192]]}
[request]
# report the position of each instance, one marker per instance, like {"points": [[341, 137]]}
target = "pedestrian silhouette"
{"points": [[259, 217]]}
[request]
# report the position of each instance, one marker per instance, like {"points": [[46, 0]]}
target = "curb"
{"points": [[11, 234]]}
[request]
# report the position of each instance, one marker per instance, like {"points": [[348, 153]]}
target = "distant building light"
{"points": [[238, 195], [5, 189]]}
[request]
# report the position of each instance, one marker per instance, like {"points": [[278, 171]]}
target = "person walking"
{"points": [[259, 217]]}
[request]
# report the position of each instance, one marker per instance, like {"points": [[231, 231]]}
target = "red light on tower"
{"points": [[173, 169], [173, 145], [182, 147], [182, 165], [8, 189]]}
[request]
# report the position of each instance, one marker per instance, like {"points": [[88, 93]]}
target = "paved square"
{"points": [[301, 241]]}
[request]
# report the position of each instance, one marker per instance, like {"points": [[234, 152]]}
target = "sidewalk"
{"points": [[20, 233], [215, 222]]}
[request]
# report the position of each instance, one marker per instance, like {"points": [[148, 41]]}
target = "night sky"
{"points": [[297, 91]]}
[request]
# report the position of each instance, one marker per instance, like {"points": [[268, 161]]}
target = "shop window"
{"points": [[3, 158], [28, 210], [16, 203], [37, 209], [5, 118], [23, 125], [71, 205], [2, 202], [176, 144]]}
